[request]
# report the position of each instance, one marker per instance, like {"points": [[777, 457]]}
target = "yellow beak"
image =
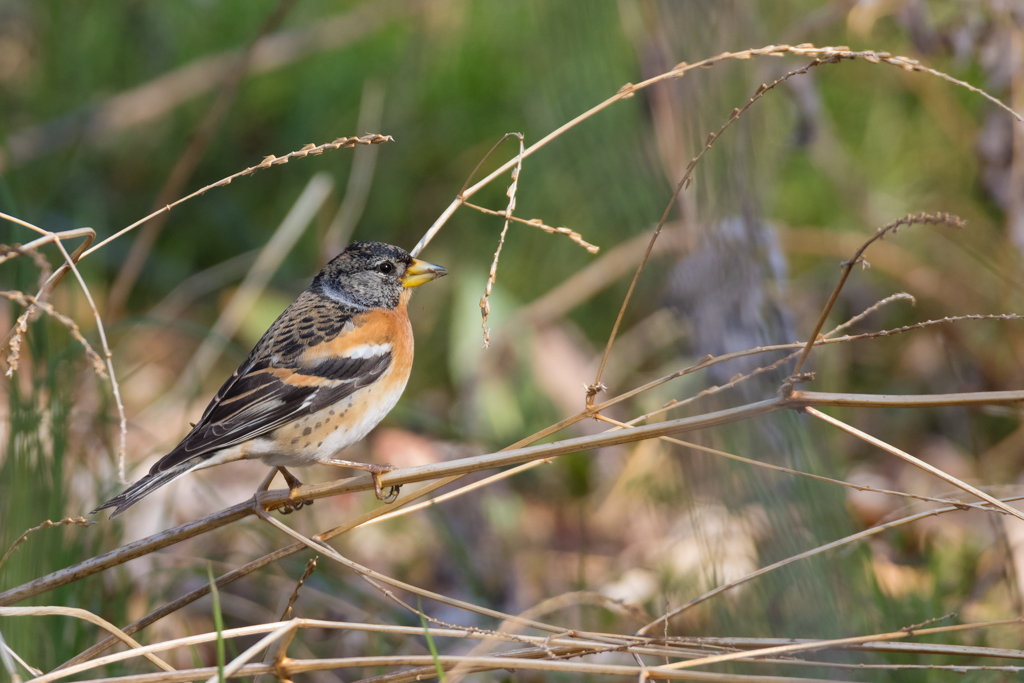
{"points": [[420, 273]]}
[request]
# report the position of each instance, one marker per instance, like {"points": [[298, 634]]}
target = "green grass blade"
{"points": [[218, 621], [430, 644]]}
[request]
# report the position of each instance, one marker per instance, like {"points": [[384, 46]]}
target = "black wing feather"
{"points": [[255, 401]]}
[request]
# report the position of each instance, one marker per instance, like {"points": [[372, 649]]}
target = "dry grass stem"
{"points": [[596, 386], [918, 219], [688, 648], [901, 296], [29, 301], [310, 568], [375, 579], [268, 161], [831, 55], [538, 223], [485, 304], [823, 340], [85, 616], [78, 521], [122, 445], [948, 478], [778, 468], [894, 647], [9, 656], [70, 261], [270, 500], [805, 647]]}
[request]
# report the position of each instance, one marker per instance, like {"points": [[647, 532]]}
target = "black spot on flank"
{"points": [[331, 412], [320, 444], [295, 441], [307, 445], [327, 421], [308, 319], [307, 431], [318, 425]]}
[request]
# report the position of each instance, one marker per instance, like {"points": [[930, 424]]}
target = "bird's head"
{"points": [[374, 275]]}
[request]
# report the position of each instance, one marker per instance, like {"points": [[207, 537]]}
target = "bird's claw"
{"points": [[294, 506], [294, 503], [392, 495]]}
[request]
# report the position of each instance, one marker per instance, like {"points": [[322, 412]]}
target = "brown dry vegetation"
{"points": [[741, 507]]}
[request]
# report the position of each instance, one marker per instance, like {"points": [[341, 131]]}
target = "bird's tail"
{"points": [[143, 487]]}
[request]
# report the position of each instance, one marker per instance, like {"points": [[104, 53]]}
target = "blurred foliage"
{"points": [[816, 166]]}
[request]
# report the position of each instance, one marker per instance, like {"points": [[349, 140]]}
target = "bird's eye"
{"points": [[386, 268]]}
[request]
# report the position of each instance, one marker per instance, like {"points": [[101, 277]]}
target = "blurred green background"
{"points": [[108, 110]]}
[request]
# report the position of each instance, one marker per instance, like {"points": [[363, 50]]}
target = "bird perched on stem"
{"points": [[325, 373]]}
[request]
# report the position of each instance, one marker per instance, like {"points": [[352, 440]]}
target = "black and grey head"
{"points": [[373, 275]]}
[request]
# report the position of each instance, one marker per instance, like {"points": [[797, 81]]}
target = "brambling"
{"points": [[325, 373]]}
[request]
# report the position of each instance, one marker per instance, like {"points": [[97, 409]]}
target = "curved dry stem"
{"points": [[823, 54], [268, 161], [29, 301], [858, 257], [538, 223], [84, 615], [596, 386], [80, 521]]}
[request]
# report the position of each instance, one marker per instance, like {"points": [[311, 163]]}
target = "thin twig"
{"points": [[901, 296]]}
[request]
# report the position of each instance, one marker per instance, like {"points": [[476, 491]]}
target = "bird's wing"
{"points": [[278, 384]]}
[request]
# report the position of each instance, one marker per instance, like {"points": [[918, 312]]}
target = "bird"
{"points": [[328, 370]]}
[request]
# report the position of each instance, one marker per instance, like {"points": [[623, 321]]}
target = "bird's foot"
{"points": [[375, 471], [294, 502], [392, 494]]}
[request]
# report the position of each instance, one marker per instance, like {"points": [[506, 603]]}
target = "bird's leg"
{"points": [[293, 483], [375, 471], [265, 485], [266, 481]]}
